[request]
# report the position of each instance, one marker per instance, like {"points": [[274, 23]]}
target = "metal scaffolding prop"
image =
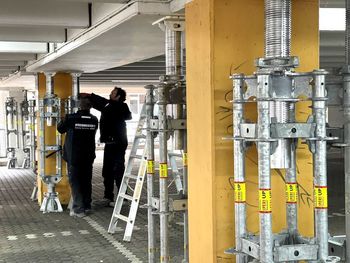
{"points": [[12, 132], [276, 88], [169, 98], [32, 136], [72, 103], [50, 114], [339, 96], [25, 131]]}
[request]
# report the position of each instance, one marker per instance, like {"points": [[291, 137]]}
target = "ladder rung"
{"points": [[125, 196], [131, 176], [136, 156], [121, 217]]}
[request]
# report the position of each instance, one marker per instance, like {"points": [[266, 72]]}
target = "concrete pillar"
{"points": [[63, 89], [224, 37]]}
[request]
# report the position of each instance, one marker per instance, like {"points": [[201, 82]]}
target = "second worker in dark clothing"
{"points": [[79, 153], [114, 113]]}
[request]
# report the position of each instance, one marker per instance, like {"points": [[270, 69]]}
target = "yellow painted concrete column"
{"points": [[63, 89], [224, 37]]}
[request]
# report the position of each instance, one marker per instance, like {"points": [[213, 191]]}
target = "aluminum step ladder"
{"points": [[129, 177]]}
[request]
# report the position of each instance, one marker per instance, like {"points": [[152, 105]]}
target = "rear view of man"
{"points": [[79, 153], [114, 113]]}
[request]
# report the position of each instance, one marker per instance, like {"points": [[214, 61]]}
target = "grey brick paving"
{"points": [[27, 235]]}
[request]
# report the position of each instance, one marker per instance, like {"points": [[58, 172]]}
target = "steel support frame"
{"points": [[50, 114], [11, 122]]}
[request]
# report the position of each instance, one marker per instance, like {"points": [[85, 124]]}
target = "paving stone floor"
{"points": [[28, 235]]}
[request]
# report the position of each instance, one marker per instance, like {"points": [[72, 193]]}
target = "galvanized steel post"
{"points": [[291, 183], [320, 164], [163, 172], [150, 173], [346, 109], [239, 165], [264, 151], [74, 101]]}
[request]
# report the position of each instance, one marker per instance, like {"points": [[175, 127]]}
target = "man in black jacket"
{"points": [[79, 153], [114, 113]]}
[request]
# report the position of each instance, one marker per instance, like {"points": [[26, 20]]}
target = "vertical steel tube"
{"points": [[58, 140], [266, 237], [49, 94], [185, 193], [291, 185], [184, 154], [277, 45], [346, 108], [42, 137], [239, 165], [31, 104], [163, 172], [150, 173], [174, 67], [75, 91], [320, 165]]}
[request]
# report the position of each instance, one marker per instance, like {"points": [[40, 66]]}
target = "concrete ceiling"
{"points": [[106, 39]]}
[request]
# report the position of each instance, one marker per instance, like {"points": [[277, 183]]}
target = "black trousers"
{"points": [[113, 168], [80, 177]]}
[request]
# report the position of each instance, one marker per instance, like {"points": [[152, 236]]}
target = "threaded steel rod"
{"points": [[277, 28]]}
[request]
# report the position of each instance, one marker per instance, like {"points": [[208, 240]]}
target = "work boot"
{"points": [[77, 214]]}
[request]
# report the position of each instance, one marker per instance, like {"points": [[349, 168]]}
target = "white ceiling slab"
{"points": [[127, 36], [33, 34], [23, 47], [19, 80], [17, 56], [44, 13]]}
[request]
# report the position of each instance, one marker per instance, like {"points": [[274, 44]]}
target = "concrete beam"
{"points": [[33, 34], [23, 47]]}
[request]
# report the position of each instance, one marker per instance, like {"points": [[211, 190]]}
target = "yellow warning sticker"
{"points": [[240, 192], [265, 200], [40, 133], [184, 159], [163, 170], [291, 193], [150, 167], [320, 197], [31, 127]]}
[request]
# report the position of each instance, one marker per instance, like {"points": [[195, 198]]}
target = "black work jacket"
{"points": [[79, 145], [112, 122]]}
